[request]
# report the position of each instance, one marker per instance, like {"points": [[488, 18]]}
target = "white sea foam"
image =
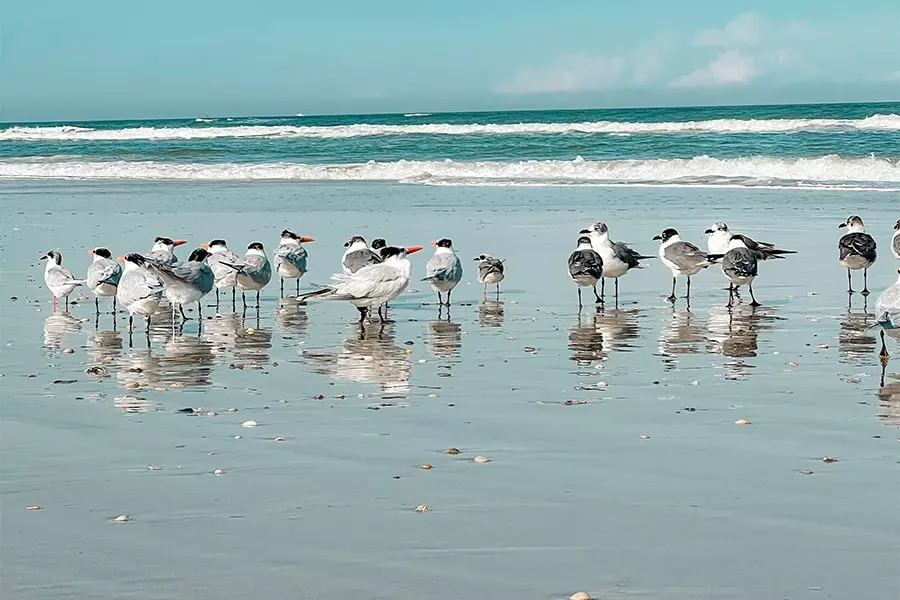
{"points": [[762, 171], [886, 122], [417, 114]]}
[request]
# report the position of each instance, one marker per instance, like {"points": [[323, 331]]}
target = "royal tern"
{"points": [[372, 285], [163, 251], [186, 282], [490, 271], [740, 266], [378, 244], [586, 268], [357, 255], [225, 276], [103, 277], [618, 258], [857, 251], [254, 273], [443, 270], [682, 258], [139, 290], [59, 280], [895, 241], [290, 257], [887, 309]]}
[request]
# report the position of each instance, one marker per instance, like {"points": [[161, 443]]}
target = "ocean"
{"points": [[845, 146]]}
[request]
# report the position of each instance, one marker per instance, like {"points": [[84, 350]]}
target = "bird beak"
{"points": [[205, 246], [304, 240], [346, 244], [413, 249], [121, 259], [434, 244], [179, 242], [709, 231], [842, 225], [45, 257], [91, 251], [657, 237], [585, 231], [897, 226]]}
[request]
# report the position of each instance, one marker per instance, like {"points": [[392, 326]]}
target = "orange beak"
{"points": [[179, 242], [121, 259], [205, 246], [434, 243], [305, 239], [413, 249]]}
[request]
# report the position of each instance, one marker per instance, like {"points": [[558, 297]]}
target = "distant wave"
{"points": [[764, 171], [416, 114], [887, 122]]}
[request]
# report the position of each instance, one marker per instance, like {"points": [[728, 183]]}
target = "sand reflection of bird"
{"points": [[490, 313], [56, 326], [857, 250]]}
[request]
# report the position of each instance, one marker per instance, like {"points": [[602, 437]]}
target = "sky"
{"points": [[104, 59]]}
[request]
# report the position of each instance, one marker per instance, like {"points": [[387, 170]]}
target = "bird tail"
{"points": [[238, 268], [642, 257], [714, 258], [315, 293]]}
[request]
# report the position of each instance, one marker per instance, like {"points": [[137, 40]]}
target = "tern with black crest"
{"points": [[443, 270], [139, 290], [218, 260], [163, 251], [291, 257], [187, 282], [857, 251], [254, 272], [358, 255], [103, 277]]}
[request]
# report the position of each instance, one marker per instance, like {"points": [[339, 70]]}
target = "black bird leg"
{"points": [[97, 305], [688, 296], [448, 299], [849, 282], [363, 313], [730, 296], [114, 308], [603, 287], [752, 297], [598, 299], [671, 297], [244, 298], [257, 299], [579, 298], [184, 317], [865, 291], [282, 287]]}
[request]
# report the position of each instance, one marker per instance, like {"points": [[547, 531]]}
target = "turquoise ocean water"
{"points": [[852, 146]]}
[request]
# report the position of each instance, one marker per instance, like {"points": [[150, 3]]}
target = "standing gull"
{"points": [[740, 266], [720, 237], [290, 257], [444, 269], [895, 241], [586, 268], [59, 280], [682, 258], [358, 255], [225, 276], [163, 251], [618, 258], [139, 290], [490, 271], [254, 273], [887, 309], [186, 282], [857, 251], [103, 277]]}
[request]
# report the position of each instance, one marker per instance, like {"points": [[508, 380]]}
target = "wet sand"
{"points": [[573, 497]]}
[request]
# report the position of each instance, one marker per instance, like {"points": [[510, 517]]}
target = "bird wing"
{"points": [[60, 276], [356, 260], [104, 271], [741, 262], [192, 273], [586, 263], [492, 265], [294, 254], [139, 284], [685, 255], [162, 257], [627, 255], [443, 267], [223, 263], [373, 281], [858, 244], [889, 302], [895, 244]]}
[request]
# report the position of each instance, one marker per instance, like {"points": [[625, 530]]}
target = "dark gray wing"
{"points": [[895, 244], [686, 255], [765, 250], [585, 263], [627, 255], [356, 260], [740, 262], [857, 244], [492, 265]]}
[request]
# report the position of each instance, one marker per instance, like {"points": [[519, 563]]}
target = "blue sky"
{"points": [[104, 59]]}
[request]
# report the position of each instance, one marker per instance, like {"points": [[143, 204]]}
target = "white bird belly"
{"points": [[245, 282], [443, 285], [741, 280], [62, 291], [145, 306], [856, 262], [289, 270], [614, 267], [492, 277], [584, 280], [183, 294], [105, 289]]}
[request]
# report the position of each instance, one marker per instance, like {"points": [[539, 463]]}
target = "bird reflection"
{"points": [[490, 313], [683, 333], [889, 394], [586, 340], [252, 343], [735, 332], [444, 338], [370, 356], [619, 327], [855, 340], [56, 326], [222, 331], [186, 360], [291, 318], [103, 346]]}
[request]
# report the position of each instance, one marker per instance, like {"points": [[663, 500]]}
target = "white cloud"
{"points": [[893, 76], [730, 68], [743, 30], [568, 73]]}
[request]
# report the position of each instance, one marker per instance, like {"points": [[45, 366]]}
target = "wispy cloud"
{"points": [[743, 30], [568, 73], [730, 68]]}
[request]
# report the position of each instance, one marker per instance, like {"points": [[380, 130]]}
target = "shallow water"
{"points": [[572, 499]]}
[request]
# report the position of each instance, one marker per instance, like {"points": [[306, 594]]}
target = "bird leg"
{"points": [[298, 286], [257, 299], [498, 291], [671, 297], [363, 313], [849, 282], [114, 308], [380, 315], [244, 298], [233, 297], [97, 305], [752, 297], [688, 295], [282, 287], [184, 317], [448, 299], [865, 291], [440, 299], [148, 326], [67, 304], [485, 290], [217, 299], [598, 300], [199, 311], [617, 290], [603, 287], [579, 298], [730, 296]]}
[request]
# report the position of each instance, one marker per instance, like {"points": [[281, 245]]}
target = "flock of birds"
{"points": [[373, 275]]}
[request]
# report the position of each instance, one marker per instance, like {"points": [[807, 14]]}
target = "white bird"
{"points": [[720, 236], [139, 290], [163, 251], [358, 255], [291, 257], [225, 276], [586, 268], [59, 280], [857, 251], [254, 273], [372, 285], [490, 271], [618, 258], [443, 270], [186, 282], [103, 277], [895, 241], [887, 309], [682, 258]]}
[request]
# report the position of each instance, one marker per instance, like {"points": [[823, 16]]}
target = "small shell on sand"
{"points": [[211, 413], [122, 519], [427, 467], [251, 331], [451, 451], [69, 351], [218, 472], [279, 439], [742, 422], [153, 467], [481, 459], [793, 364], [249, 424], [407, 351], [159, 388], [822, 346], [131, 385], [644, 436], [176, 384], [432, 395], [805, 472], [232, 410], [32, 507], [237, 437], [580, 596], [422, 508], [829, 459]]}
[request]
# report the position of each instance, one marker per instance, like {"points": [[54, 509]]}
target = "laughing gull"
{"points": [[291, 257], [443, 270], [618, 258], [103, 277], [720, 236], [586, 268], [895, 241], [490, 271], [682, 258], [740, 266], [59, 280], [857, 251]]}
